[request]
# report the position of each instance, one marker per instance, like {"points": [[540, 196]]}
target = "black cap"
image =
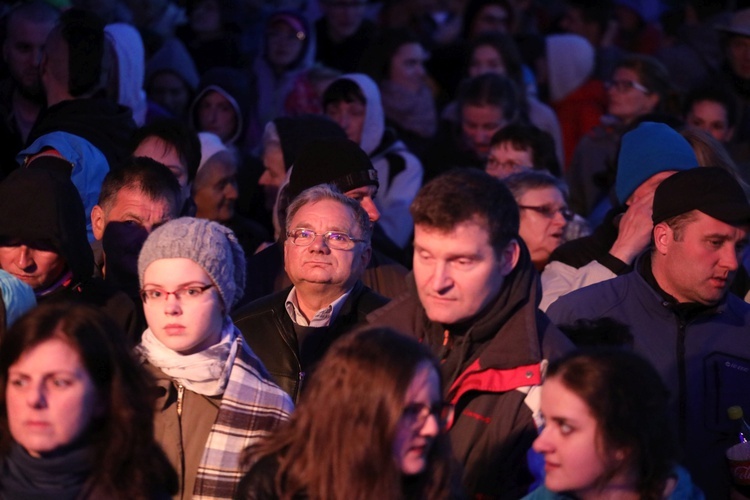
{"points": [[711, 190], [340, 162]]}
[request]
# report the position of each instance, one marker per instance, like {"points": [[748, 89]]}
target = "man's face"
{"points": [[158, 150], [133, 207], [738, 53], [711, 117], [458, 272], [36, 263], [350, 116], [700, 265], [22, 52], [365, 195], [479, 124], [317, 268], [648, 187], [344, 16]]}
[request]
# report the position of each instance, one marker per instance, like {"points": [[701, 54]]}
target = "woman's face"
{"points": [[170, 90], [190, 323], [627, 102], [415, 433], [542, 233], [217, 115], [490, 19], [215, 189], [407, 67], [485, 59], [350, 116], [51, 398], [573, 459], [285, 44]]}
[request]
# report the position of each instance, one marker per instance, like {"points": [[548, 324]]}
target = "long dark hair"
{"points": [[628, 399], [339, 441], [128, 462]]}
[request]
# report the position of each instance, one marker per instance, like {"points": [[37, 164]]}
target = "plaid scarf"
{"points": [[251, 408]]}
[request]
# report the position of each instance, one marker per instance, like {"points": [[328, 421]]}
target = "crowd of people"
{"points": [[337, 249]]}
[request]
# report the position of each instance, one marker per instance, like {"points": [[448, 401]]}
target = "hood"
{"points": [[57, 217], [173, 57], [105, 124], [130, 55], [233, 85], [570, 63], [374, 126]]}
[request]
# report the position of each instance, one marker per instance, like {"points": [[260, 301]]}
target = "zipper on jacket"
{"points": [[180, 395]]}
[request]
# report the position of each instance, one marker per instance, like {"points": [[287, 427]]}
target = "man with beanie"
{"points": [[680, 315], [43, 243], [649, 154], [326, 250], [346, 166]]}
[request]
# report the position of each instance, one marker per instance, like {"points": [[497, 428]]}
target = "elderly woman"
{"points": [[544, 212], [76, 418], [216, 397], [371, 425]]}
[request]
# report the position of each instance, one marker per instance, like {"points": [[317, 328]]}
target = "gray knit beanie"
{"points": [[212, 246]]}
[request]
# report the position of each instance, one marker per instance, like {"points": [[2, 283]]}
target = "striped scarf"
{"points": [[252, 406]]}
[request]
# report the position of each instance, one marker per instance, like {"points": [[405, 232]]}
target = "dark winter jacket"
{"points": [[492, 372], [270, 332]]}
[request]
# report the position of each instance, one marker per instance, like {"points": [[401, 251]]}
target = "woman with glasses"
{"points": [[370, 425], [544, 212], [214, 396], [639, 86]]}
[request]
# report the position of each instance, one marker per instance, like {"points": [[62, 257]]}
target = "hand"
{"points": [[634, 232]]}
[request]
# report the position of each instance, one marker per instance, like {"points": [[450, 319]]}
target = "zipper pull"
{"points": [[180, 394]]}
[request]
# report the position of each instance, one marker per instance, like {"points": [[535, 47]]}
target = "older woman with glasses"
{"points": [[544, 212], [215, 397], [370, 425]]}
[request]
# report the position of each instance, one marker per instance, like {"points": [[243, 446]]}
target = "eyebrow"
{"points": [[182, 285], [307, 225]]}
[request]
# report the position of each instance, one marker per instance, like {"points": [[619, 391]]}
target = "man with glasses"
{"points": [[326, 250], [473, 302]]}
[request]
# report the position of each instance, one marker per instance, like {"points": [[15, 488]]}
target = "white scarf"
{"points": [[205, 372]]}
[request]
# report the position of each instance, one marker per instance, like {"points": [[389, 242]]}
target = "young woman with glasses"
{"points": [[370, 425], [214, 396]]}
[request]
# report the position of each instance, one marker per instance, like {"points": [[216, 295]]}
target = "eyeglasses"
{"points": [[334, 239], [625, 85], [184, 294], [509, 166], [549, 211], [417, 414]]}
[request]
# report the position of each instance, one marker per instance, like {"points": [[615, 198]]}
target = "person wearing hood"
{"points": [[223, 107], [90, 133], [578, 100], [125, 79], [171, 80], [210, 35], [288, 52], [215, 192], [43, 243], [473, 301], [353, 101]]}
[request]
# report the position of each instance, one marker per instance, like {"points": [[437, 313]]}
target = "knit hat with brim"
{"points": [[209, 244], [340, 162]]}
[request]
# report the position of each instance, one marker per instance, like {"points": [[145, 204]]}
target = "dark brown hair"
{"points": [[339, 442], [128, 462]]}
